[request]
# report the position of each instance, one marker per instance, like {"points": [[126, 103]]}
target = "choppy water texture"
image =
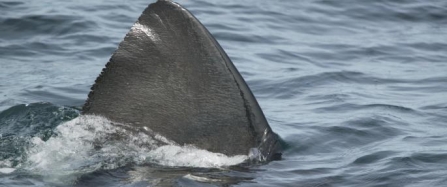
{"points": [[357, 89]]}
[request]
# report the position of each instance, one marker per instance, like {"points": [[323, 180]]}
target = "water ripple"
{"points": [[357, 90]]}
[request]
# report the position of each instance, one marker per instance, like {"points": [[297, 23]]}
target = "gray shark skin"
{"points": [[171, 76]]}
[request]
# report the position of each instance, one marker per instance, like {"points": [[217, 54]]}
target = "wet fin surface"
{"points": [[170, 75]]}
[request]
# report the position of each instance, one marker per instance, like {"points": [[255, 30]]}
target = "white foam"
{"points": [[88, 143], [6, 166], [7, 170], [83, 145], [189, 156], [6, 163]]}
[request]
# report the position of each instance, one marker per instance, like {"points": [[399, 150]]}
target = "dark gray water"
{"points": [[357, 89]]}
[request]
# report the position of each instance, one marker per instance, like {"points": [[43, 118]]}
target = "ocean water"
{"points": [[356, 89]]}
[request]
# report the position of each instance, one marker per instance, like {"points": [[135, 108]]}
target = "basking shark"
{"points": [[170, 75]]}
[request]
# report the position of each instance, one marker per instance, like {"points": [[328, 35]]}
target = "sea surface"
{"points": [[356, 89]]}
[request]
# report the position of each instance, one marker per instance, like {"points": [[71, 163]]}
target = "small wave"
{"points": [[373, 158]]}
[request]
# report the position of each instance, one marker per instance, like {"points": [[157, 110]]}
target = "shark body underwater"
{"points": [[170, 75]]}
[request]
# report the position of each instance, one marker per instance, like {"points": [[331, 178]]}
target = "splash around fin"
{"points": [[170, 74]]}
